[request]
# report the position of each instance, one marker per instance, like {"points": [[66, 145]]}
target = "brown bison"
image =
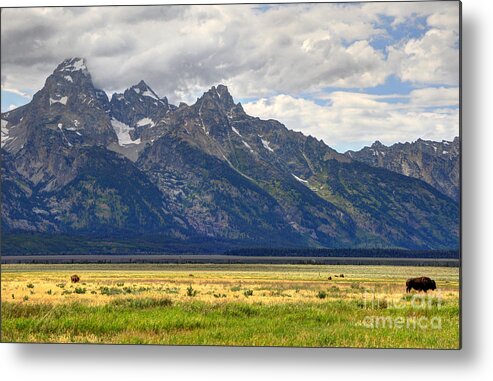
{"points": [[75, 278], [420, 284]]}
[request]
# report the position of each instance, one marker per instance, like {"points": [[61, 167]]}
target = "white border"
{"points": [[473, 362]]}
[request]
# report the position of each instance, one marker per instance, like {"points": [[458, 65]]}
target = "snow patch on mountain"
{"points": [[247, 146], [236, 131], [62, 100], [60, 127], [149, 93], [146, 121], [122, 131], [76, 64], [5, 132], [266, 145], [300, 179]]}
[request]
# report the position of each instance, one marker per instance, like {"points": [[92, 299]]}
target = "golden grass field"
{"points": [[244, 304]]}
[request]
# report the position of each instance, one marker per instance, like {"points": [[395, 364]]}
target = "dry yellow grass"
{"points": [[213, 283]]}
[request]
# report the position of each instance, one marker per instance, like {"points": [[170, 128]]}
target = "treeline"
{"points": [[35, 243], [345, 253]]}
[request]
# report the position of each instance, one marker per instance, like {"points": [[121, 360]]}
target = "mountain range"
{"points": [[137, 173], [436, 163]]}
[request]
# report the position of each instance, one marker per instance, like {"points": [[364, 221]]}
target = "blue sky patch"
{"points": [[414, 28], [12, 99], [392, 86]]}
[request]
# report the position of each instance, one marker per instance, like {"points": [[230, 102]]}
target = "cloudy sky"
{"points": [[349, 74]]}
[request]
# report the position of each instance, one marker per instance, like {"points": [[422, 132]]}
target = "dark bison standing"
{"points": [[74, 278], [420, 284]]}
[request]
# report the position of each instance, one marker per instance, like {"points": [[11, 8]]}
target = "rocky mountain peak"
{"points": [[142, 85], [225, 96], [73, 65], [133, 114], [71, 75], [68, 114], [70, 90], [144, 90], [143, 93], [377, 144], [220, 96]]}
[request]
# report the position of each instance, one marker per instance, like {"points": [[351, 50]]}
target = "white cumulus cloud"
{"points": [[181, 50], [351, 120], [278, 57]]}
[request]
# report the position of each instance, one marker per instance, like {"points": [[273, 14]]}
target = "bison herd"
{"points": [[419, 284]]}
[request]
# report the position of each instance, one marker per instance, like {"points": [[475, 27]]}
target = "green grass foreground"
{"points": [[161, 321], [230, 304]]}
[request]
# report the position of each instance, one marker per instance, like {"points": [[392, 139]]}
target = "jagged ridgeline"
{"points": [[135, 173], [436, 163]]}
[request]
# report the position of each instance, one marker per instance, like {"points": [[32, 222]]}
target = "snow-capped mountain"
{"points": [[44, 135], [206, 175]]}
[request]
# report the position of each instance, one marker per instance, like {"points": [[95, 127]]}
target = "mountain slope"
{"points": [[204, 127], [304, 176], [110, 195], [436, 163], [215, 199]]}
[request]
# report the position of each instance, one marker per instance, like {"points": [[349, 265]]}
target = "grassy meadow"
{"points": [[247, 305]]}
